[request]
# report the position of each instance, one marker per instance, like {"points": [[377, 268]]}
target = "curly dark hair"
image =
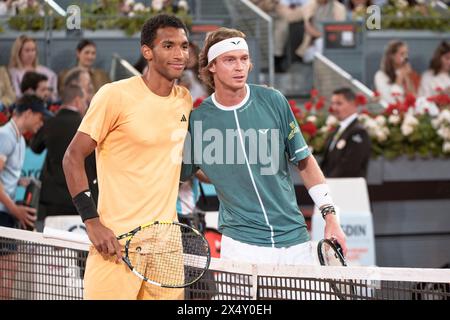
{"points": [[149, 29]]}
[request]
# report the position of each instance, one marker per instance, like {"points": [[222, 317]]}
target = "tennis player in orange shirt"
{"points": [[131, 123]]}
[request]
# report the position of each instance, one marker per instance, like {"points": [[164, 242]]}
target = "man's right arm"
{"points": [[79, 149], [25, 215], [81, 146]]}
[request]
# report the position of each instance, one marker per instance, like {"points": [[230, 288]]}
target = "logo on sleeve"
{"points": [[294, 130], [183, 118]]}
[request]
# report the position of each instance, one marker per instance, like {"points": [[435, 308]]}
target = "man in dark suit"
{"points": [[348, 150], [55, 136]]}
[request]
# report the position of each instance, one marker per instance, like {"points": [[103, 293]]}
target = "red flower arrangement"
{"points": [[309, 128], [198, 102], [3, 118], [410, 126]]}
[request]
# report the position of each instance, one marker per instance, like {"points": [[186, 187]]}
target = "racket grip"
{"points": [[338, 247]]}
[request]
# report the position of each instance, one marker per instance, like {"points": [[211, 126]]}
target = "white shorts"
{"points": [[301, 254], [239, 287]]}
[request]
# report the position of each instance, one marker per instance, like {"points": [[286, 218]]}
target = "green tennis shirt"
{"points": [[244, 150]]}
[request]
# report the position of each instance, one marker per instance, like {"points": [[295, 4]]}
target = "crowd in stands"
{"points": [[300, 22], [396, 78]]}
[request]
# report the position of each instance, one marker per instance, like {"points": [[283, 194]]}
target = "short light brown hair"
{"points": [[212, 38]]}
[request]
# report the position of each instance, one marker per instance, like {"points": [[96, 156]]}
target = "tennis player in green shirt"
{"points": [[242, 137]]}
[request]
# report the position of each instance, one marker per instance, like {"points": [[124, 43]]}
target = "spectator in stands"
{"points": [[286, 12], [81, 77], [7, 94], [24, 57], [86, 54], [190, 78], [347, 151], [55, 137], [27, 117], [6, 8], [37, 84], [357, 9], [396, 78], [314, 13], [437, 77]]}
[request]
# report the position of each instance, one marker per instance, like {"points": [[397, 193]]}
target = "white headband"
{"points": [[226, 45]]}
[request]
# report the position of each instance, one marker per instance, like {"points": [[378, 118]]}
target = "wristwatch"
{"points": [[327, 210]]}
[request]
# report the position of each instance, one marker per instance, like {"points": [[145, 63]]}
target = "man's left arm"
{"points": [[299, 154], [319, 191]]}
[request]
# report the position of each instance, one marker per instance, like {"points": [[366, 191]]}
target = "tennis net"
{"points": [[33, 267]]}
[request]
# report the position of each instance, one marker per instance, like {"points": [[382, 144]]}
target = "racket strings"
{"points": [[330, 256], [169, 254]]}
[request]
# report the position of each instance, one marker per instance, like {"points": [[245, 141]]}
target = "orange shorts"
{"points": [[105, 279]]}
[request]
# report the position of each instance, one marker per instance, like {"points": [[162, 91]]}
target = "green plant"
{"points": [[100, 15], [420, 17]]}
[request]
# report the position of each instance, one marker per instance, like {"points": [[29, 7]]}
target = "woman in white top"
{"points": [[438, 74], [24, 57], [396, 78]]}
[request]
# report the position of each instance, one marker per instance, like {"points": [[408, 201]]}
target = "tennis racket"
{"points": [[167, 254], [330, 254], [164, 253]]}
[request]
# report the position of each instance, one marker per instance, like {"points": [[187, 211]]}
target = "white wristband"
{"points": [[320, 194]]}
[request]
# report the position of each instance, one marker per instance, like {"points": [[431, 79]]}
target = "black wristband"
{"points": [[85, 205], [328, 210]]}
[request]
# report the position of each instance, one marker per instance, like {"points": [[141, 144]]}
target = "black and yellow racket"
{"points": [[164, 253], [330, 254], [167, 254]]}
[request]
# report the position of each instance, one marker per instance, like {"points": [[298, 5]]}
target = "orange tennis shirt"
{"points": [[140, 138]]}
